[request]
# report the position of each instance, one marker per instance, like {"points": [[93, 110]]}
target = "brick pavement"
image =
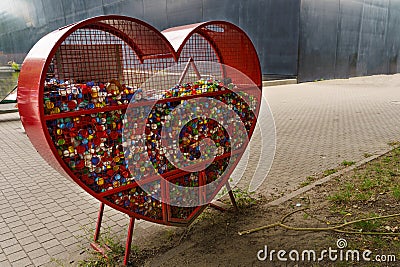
{"points": [[318, 126], [321, 124]]}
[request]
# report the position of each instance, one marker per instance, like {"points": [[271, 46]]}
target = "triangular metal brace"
{"points": [[189, 64]]}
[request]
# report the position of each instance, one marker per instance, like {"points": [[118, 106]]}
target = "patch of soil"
{"points": [[213, 239]]}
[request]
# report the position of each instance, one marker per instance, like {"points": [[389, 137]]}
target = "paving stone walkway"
{"points": [[318, 126]]}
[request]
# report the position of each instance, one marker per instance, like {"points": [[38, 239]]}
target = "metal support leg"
{"points": [[129, 240], [223, 207], [98, 224], [94, 244], [231, 196]]}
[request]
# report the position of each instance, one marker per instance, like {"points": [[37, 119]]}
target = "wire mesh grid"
{"points": [[127, 55], [93, 76]]}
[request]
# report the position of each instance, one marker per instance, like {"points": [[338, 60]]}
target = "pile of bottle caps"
{"points": [[114, 148]]}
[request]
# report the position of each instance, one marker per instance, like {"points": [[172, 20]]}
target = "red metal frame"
{"points": [[132, 50], [244, 59]]}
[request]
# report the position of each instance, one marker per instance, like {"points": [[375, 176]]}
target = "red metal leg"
{"points": [[129, 240], [217, 206], [223, 207], [94, 244], [98, 224], [231, 196]]}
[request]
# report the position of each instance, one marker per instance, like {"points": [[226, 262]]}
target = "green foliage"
{"points": [[347, 163], [396, 192], [368, 184], [369, 226], [244, 198], [367, 155], [114, 250], [393, 143], [344, 195], [329, 172], [308, 181]]}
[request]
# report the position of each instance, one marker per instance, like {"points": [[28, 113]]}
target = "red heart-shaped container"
{"points": [[77, 83]]}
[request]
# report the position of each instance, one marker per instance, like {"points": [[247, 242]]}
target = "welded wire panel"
{"points": [[229, 43], [110, 96]]}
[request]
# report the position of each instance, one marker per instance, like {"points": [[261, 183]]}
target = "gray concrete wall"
{"points": [[311, 39], [271, 24], [341, 39]]}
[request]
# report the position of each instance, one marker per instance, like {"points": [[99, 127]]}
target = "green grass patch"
{"points": [[368, 184], [244, 199], [370, 225], [347, 163], [329, 172], [344, 195], [396, 192], [393, 143], [308, 181]]}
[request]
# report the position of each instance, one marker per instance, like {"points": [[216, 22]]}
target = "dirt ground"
{"points": [[213, 239]]}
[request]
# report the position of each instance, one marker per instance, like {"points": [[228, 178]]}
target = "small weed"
{"points": [[244, 198], [378, 242], [394, 143], [113, 253], [343, 212], [340, 197], [368, 184], [378, 170], [329, 172], [343, 195], [363, 196], [367, 155], [396, 192], [370, 225], [170, 234], [205, 215], [58, 262], [347, 163], [349, 186], [308, 181]]}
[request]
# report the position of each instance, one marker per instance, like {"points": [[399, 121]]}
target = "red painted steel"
{"points": [[119, 50], [232, 45], [129, 240]]}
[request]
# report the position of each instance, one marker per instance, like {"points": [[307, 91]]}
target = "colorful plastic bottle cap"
{"points": [[97, 141], [114, 135], [95, 160], [84, 133], [80, 165], [80, 149], [49, 105], [72, 104], [100, 181], [110, 172]]}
